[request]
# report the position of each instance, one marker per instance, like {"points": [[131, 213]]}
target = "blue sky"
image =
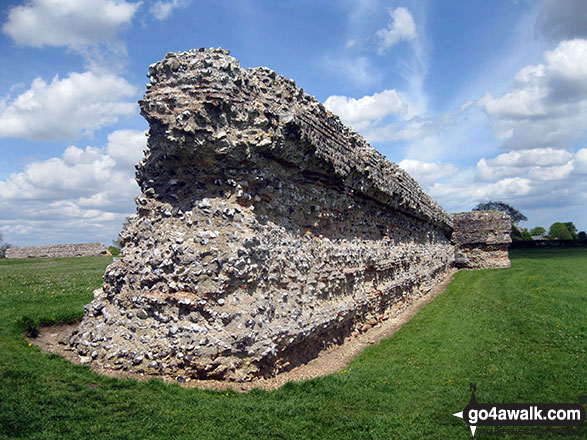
{"points": [[477, 100]]}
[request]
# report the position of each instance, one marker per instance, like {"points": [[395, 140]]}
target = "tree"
{"points": [[558, 231], [516, 233], [538, 231], [514, 214], [582, 235], [3, 247], [526, 235], [572, 229]]}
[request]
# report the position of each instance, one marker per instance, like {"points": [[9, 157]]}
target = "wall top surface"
{"points": [[204, 104]]}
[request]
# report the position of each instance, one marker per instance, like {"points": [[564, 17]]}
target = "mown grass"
{"points": [[519, 333]]}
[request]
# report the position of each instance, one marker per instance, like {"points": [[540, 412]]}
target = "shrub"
{"points": [[3, 248]]}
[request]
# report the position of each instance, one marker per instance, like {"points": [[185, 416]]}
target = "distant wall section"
{"points": [[481, 239], [57, 251]]}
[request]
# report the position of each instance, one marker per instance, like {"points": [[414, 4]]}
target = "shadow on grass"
{"points": [[546, 253]]}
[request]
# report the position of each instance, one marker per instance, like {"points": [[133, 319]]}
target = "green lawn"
{"points": [[519, 333]]}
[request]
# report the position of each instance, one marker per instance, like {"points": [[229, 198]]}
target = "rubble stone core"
{"points": [[266, 231]]}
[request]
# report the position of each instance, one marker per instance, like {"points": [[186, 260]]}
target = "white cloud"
{"points": [[466, 105], [66, 108], [412, 129], [163, 9], [71, 23], [530, 180], [386, 117], [427, 172], [124, 146], [391, 114], [362, 112], [351, 43], [401, 27], [539, 163], [85, 193], [547, 104], [87, 27], [580, 163]]}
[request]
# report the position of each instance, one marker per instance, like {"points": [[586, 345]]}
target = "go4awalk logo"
{"points": [[520, 414]]}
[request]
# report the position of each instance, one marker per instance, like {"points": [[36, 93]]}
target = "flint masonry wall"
{"points": [[482, 239], [57, 251], [265, 232]]}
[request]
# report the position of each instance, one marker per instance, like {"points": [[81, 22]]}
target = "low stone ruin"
{"points": [[482, 239], [266, 231], [57, 251]]}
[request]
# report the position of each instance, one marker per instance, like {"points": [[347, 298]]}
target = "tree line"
{"points": [[557, 231]]}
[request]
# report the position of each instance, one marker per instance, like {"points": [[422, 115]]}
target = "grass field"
{"points": [[519, 333]]}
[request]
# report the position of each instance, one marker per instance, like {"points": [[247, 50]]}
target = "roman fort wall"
{"points": [[266, 231]]}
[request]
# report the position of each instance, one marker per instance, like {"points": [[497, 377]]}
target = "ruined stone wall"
{"points": [[482, 239], [265, 232], [57, 251]]}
